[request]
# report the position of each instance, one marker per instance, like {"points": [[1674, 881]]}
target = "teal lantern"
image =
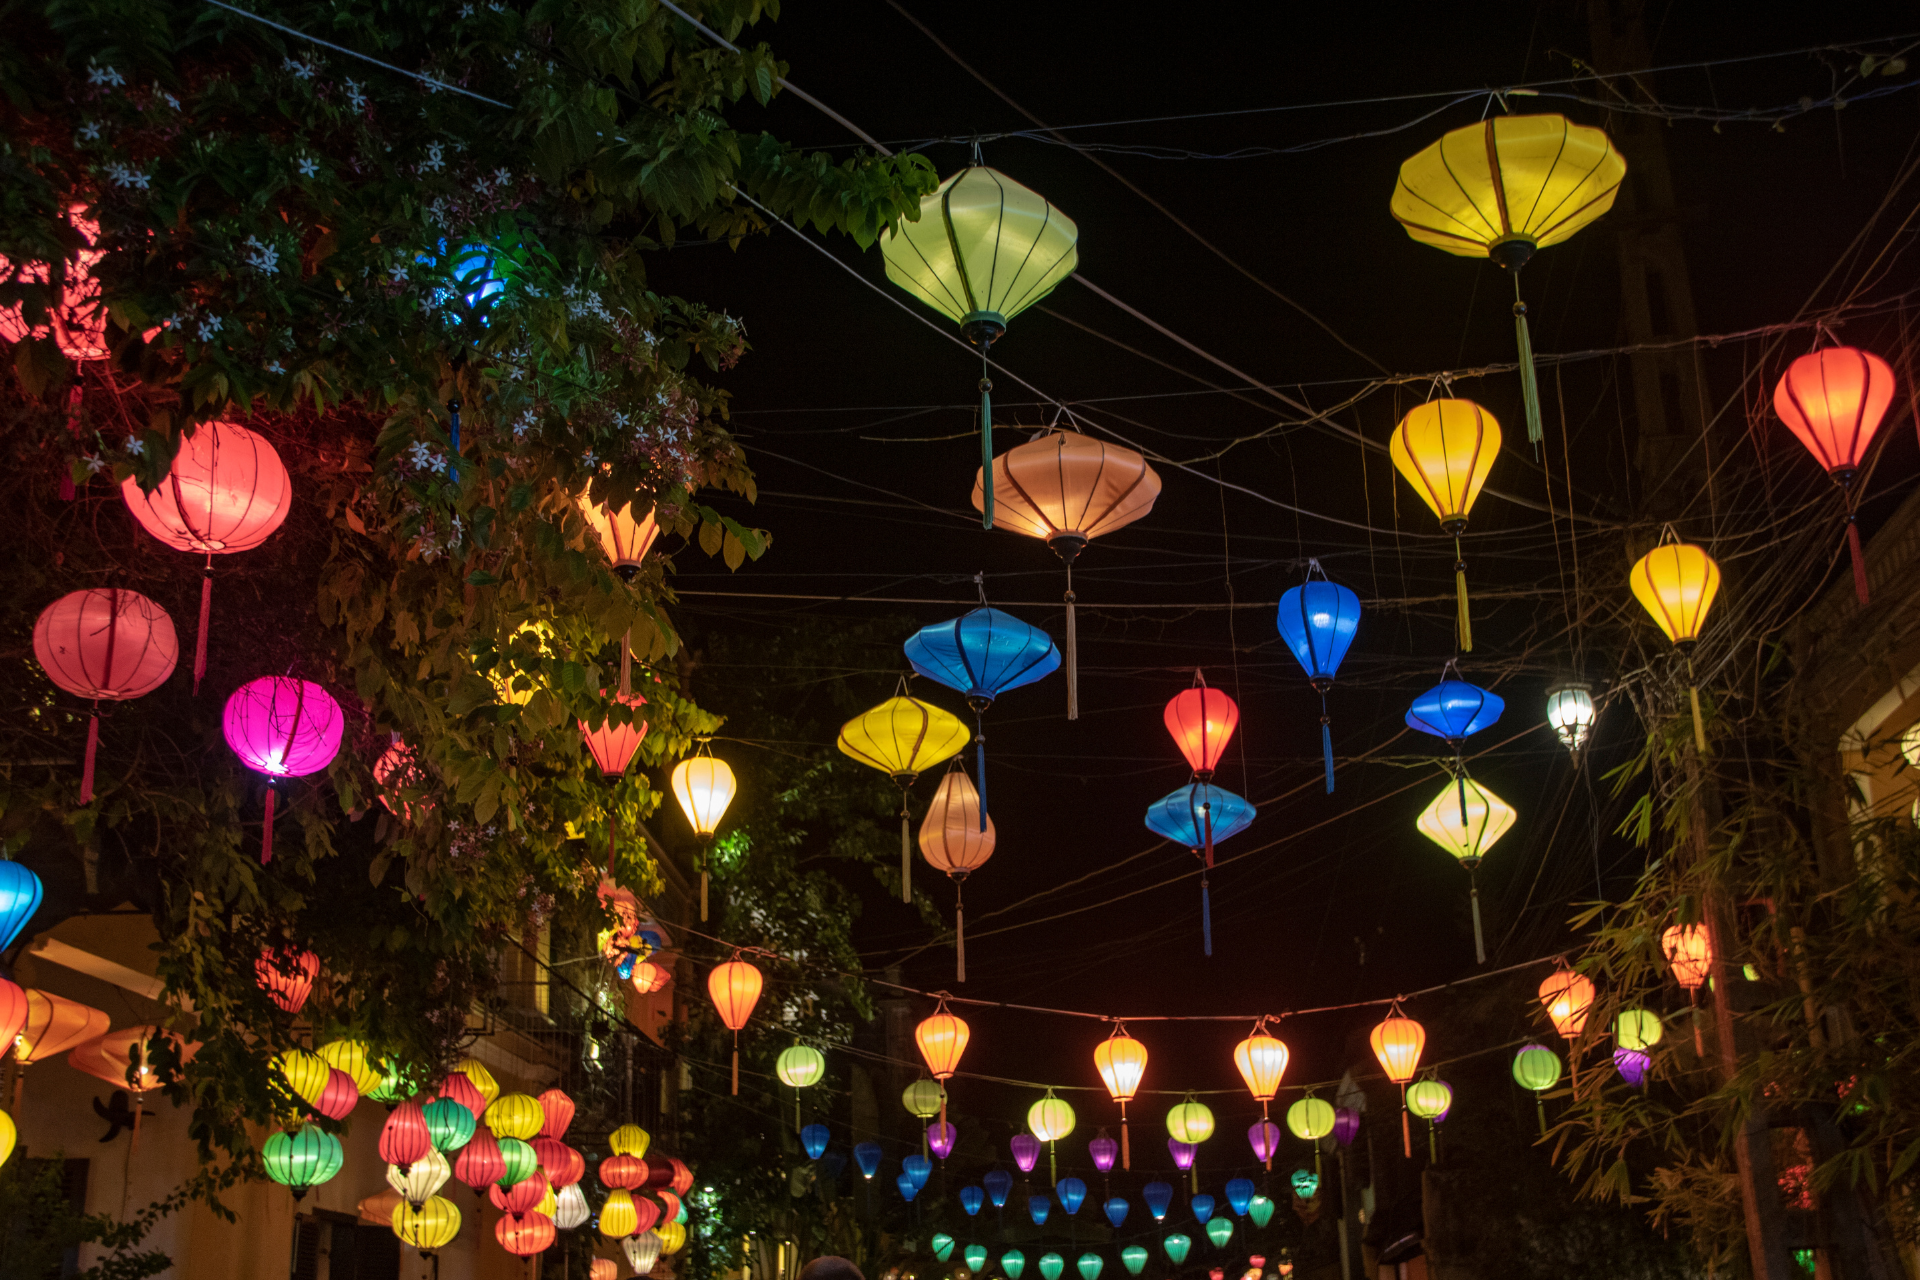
{"points": [[942, 1245], [520, 1160], [1306, 1183], [1220, 1230], [1090, 1266], [302, 1160], [1013, 1262], [1134, 1259], [449, 1124], [1260, 1209], [1177, 1247], [976, 1256], [1051, 1265]]}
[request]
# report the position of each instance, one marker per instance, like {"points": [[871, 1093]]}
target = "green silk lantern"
{"points": [[302, 1160], [1305, 1183], [1537, 1067], [1051, 1265], [1311, 1119], [1637, 1029], [1430, 1100], [923, 1098], [1190, 1121], [1013, 1262], [1220, 1230], [976, 1256], [1177, 1246], [984, 249], [800, 1066], [1260, 1209], [1134, 1259], [942, 1245], [520, 1160], [1050, 1119], [1090, 1266]]}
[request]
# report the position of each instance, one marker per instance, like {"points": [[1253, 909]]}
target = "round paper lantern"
{"points": [[287, 975], [735, 988], [570, 1207], [480, 1163], [1537, 1067], [642, 1252], [433, 1225], [622, 1172], [1177, 1247], [1397, 1042], [673, 1236], [302, 1160], [523, 1196], [1261, 1060], [405, 1137], [629, 1140], [1121, 1061], [1568, 998], [340, 1096], [227, 491], [449, 1124], [1429, 1099], [420, 1181], [603, 1269], [351, 1057], [1310, 1119], [1833, 401], [562, 1164], [526, 1234], [20, 895], [104, 643], [1318, 619], [704, 787], [1190, 1122], [954, 840], [1690, 953], [1676, 582], [306, 1074], [1637, 1029], [1632, 1064], [1050, 1119], [800, 1066], [1570, 711], [284, 728], [520, 1161], [515, 1115], [1445, 449], [556, 1113]]}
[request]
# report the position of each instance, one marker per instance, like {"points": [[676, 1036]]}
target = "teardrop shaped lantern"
{"points": [[1068, 489], [903, 737], [1502, 189], [1072, 1193], [20, 896], [1199, 816], [1104, 1150], [983, 250], [1261, 1060], [1568, 999], [1445, 450], [1122, 1063], [982, 655], [104, 643], [1465, 819], [1159, 1198], [1397, 1042], [735, 988], [998, 1184], [1202, 721], [1318, 619], [1013, 1262], [1676, 582], [1690, 953], [704, 787], [626, 540], [1833, 401], [284, 728], [954, 840], [1570, 711], [942, 1039]]}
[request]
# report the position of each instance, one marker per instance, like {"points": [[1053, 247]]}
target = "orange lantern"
{"points": [[954, 840], [1690, 952], [524, 1234], [1261, 1060], [1568, 997], [649, 977], [13, 1011], [78, 319], [1122, 1063], [55, 1024], [1833, 400], [612, 746], [1202, 720], [735, 988], [603, 1269], [625, 540], [1397, 1042], [104, 643]]}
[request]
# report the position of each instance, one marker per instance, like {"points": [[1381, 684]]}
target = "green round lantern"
{"points": [[1637, 1029], [1177, 1247], [800, 1066], [1536, 1067], [976, 1256], [1305, 1183], [1050, 1120], [302, 1160], [1429, 1099], [1220, 1230], [942, 1245], [1051, 1265], [1013, 1262], [1190, 1121], [1310, 1119], [449, 1124], [392, 1086], [1090, 1266], [923, 1098], [521, 1162], [1260, 1209], [1134, 1259]]}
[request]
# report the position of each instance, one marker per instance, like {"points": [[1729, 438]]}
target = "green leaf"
{"points": [[481, 578]]}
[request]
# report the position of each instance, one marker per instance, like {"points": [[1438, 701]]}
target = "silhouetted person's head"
{"points": [[830, 1268]]}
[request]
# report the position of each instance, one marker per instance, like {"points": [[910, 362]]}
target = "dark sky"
{"points": [[858, 419]]}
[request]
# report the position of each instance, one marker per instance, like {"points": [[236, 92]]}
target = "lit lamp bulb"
{"points": [[1570, 712]]}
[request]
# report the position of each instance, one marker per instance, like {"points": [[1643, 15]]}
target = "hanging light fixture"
{"points": [[704, 787], [285, 728], [1397, 1041], [625, 539], [1570, 711], [1261, 1060], [1050, 1120], [104, 643], [1537, 1068], [1199, 816], [1445, 450], [1676, 583], [1318, 619], [954, 840], [1466, 819], [302, 1160], [735, 988], [612, 741], [1568, 997], [1104, 1151], [1833, 401], [942, 1038], [903, 737], [1122, 1063]]}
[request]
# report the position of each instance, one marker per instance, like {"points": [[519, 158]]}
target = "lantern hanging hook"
{"points": [[980, 582]]}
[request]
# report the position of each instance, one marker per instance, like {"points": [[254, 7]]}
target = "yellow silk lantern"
{"points": [[305, 1073], [618, 1216], [1122, 1063], [351, 1057], [1503, 188], [481, 1079], [630, 1140], [432, 1226], [1445, 449], [514, 1115], [9, 1137], [673, 1236], [1676, 582], [902, 738], [704, 787], [1190, 1122], [1261, 1060], [1465, 819]]}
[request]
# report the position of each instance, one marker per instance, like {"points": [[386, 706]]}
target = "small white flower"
{"points": [[309, 166], [501, 177], [301, 70], [398, 275], [262, 257], [274, 366], [423, 456], [90, 131], [455, 535], [620, 420], [591, 459], [355, 98], [95, 464], [104, 78], [136, 446], [523, 424], [209, 326], [125, 175], [466, 11], [436, 158], [161, 95]]}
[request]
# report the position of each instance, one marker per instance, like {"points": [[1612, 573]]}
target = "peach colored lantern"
{"points": [[942, 1038], [1397, 1041], [1690, 952], [1568, 998], [1122, 1063], [625, 540], [735, 988], [104, 643], [55, 1024], [953, 839]]}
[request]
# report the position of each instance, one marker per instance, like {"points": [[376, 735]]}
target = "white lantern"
{"points": [[422, 1179], [643, 1251], [1570, 712], [570, 1208]]}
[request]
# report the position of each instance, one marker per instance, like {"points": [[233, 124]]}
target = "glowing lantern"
{"points": [[302, 1160], [1318, 619], [940, 1138], [340, 1096], [1537, 1067], [524, 1235], [1220, 1230], [1104, 1151], [570, 1207], [908, 1188], [405, 1137], [1159, 1198], [1202, 1207], [1122, 1063], [14, 1007], [1072, 1193], [954, 840], [1260, 1209], [519, 1159], [1264, 1137], [619, 1218], [1637, 1029], [631, 1140], [800, 1066], [1134, 1259], [449, 1125], [121, 1058], [1199, 816], [1833, 401], [649, 977], [1177, 1247], [1676, 583], [642, 1251], [972, 1200], [651, 1214], [55, 1024], [1502, 189], [1068, 489], [422, 1180], [305, 1074], [1570, 711], [556, 1112], [1089, 1266], [514, 1115], [1305, 1183], [1466, 819], [1116, 1210], [1026, 1151], [284, 728], [351, 1057], [1346, 1125], [942, 1245], [942, 1038], [1568, 998], [1190, 1122], [1444, 449], [982, 654], [286, 976], [998, 1183], [903, 737], [1013, 1262], [1239, 1195], [1397, 1042], [562, 1164], [975, 1256], [625, 539], [923, 1099], [1430, 1100], [735, 988], [603, 1269], [1202, 721], [1690, 953], [480, 1163], [612, 740], [431, 1225], [1261, 1060], [1050, 1119], [1051, 1265], [673, 1236], [104, 643], [624, 1173], [1183, 1153], [704, 787], [464, 1088], [20, 895], [77, 319], [227, 491], [984, 249], [1632, 1064]]}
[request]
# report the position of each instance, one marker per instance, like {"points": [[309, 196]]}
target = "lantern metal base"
{"points": [[983, 328], [1068, 546], [1513, 252]]}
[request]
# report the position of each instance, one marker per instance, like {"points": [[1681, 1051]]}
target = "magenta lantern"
{"points": [[1183, 1153], [1632, 1065], [1346, 1124], [941, 1137], [1265, 1137], [285, 728], [1104, 1151], [1026, 1151]]}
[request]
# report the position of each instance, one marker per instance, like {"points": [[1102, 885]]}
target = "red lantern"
{"points": [[646, 1214], [735, 988], [524, 1234], [479, 1163], [457, 1087], [564, 1166], [227, 491], [405, 1137], [285, 728], [612, 746], [340, 1096], [670, 1202], [682, 1179], [104, 643], [79, 321], [13, 1012], [522, 1196], [286, 976], [398, 769], [1833, 400], [557, 1107], [623, 1172], [1202, 721]]}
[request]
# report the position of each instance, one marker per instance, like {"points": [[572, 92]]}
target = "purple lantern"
{"points": [[285, 728], [1346, 1123], [1265, 1137], [1632, 1065], [940, 1138], [1026, 1151], [1183, 1153], [1104, 1151]]}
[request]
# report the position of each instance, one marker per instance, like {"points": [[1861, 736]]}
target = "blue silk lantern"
{"points": [[1072, 1193], [1199, 815], [867, 1156], [1318, 620], [814, 1139], [1116, 1208], [999, 1184], [1202, 1207], [919, 1168], [20, 894], [976, 1256], [1454, 711], [1159, 1198], [1240, 1195], [971, 1200], [982, 654], [1039, 1207], [908, 1187]]}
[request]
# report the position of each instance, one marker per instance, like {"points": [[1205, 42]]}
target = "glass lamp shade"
{"points": [[814, 1138], [1833, 401], [525, 1234], [1134, 1259], [1264, 1137], [1202, 721], [619, 1217], [1429, 1099], [615, 735], [1051, 1265], [1122, 1062], [642, 1251], [1183, 1153], [942, 1038], [1104, 1151], [20, 895], [1261, 1060], [1202, 1207], [1190, 1122], [1310, 1119], [480, 1163], [704, 786], [922, 1099], [867, 1156], [1026, 1151], [1182, 816], [984, 250], [351, 1056], [420, 1181], [1568, 997], [106, 643], [556, 1113], [561, 1163], [570, 1207], [630, 1140], [998, 1184], [1177, 1247], [1536, 1067], [1487, 818], [975, 1256], [1260, 1209], [303, 1159], [972, 1200], [1445, 449], [1632, 1064], [903, 737], [1318, 620], [735, 988], [1532, 178], [1239, 1195], [940, 1139], [227, 491], [1013, 1262], [431, 1225], [1089, 1265], [942, 1245], [283, 727], [1690, 953], [1570, 711], [800, 1066], [1159, 1198], [919, 1168], [1050, 1119], [908, 1188], [1676, 582], [515, 1115], [1454, 710], [951, 838], [1397, 1042], [1067, 489], [982, 654], [1072, 1193], [1305, 1183], [338, 1099], [1637, 1029], [1220, 1230], [623, 536], [1116, 1209], [404, 1138]]}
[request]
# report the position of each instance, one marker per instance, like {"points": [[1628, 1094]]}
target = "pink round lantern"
{"points": [[284, 728], [79, 321], [405, 1136], [340, 1096], [104, 643]]}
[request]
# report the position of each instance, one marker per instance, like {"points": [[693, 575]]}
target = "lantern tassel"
{"points": [[959, 944], [1206, 916], [1460, 591], [266, 828], [1073, 654], [736, 1064], [906, 858], [1326, 743], [1406, 1132], [93, 747], [1529, 383], [1853, 546], [986, 445], [1479, 945], [1126, 1147], [703, 890], [138, 1105], [206, 617], [980, 767], [1540, 1106], [1693, 696], [1206, 811], [626, 670]]}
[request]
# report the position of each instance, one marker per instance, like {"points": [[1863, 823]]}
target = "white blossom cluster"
{"points": [[104, 77], [128, 177], [425, 456], [436, 158], [263, 258], [356, 96]]}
